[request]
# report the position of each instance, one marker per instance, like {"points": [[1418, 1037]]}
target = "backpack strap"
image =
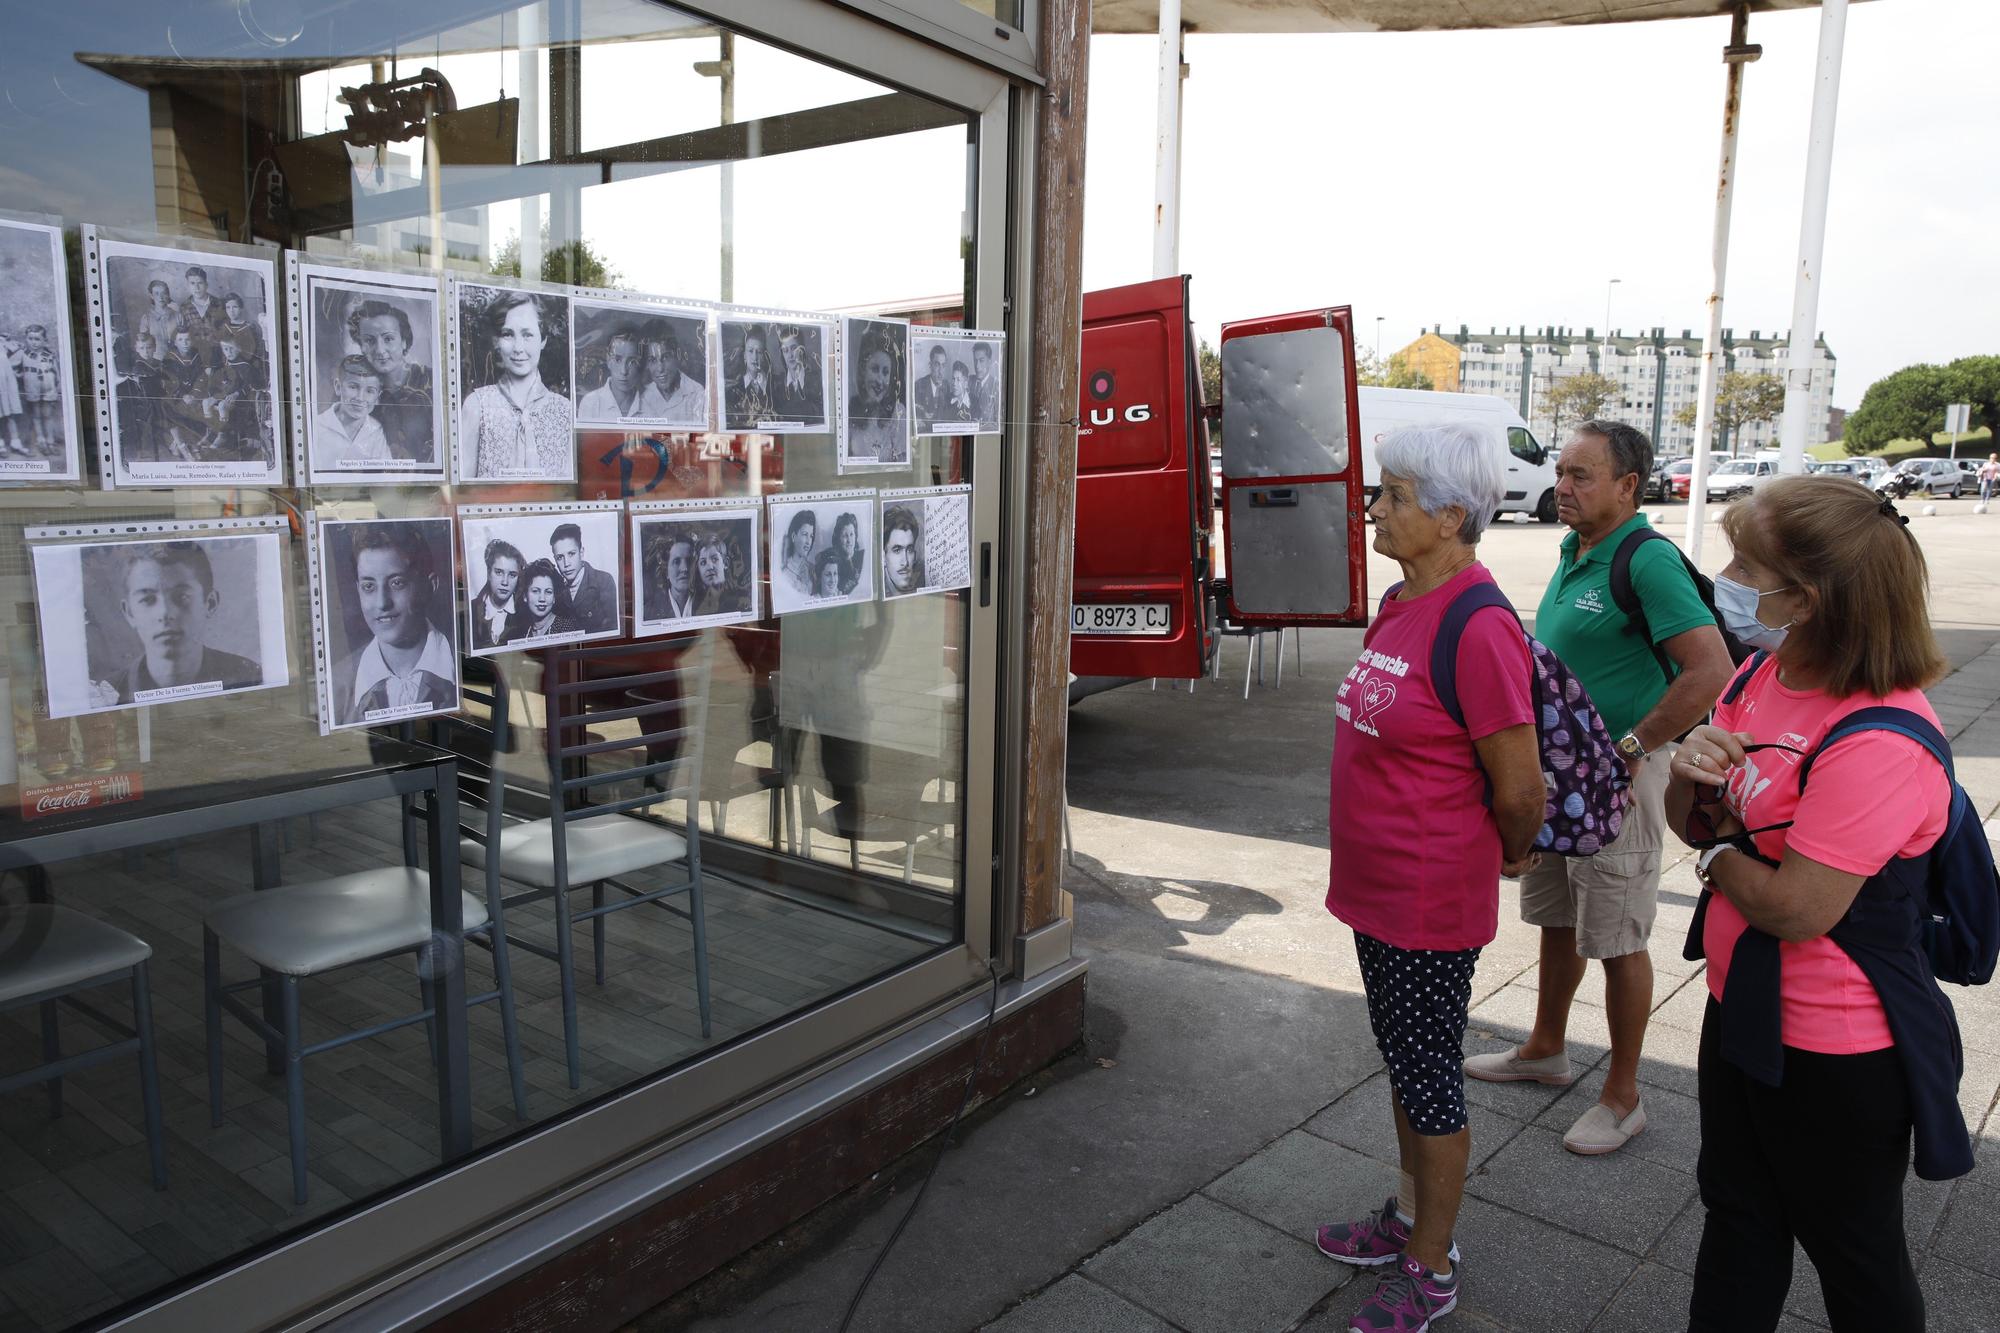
{"points": [[1626, 597], [1735, 688], [1901, 721], [1451, 628], [1393, 589]]}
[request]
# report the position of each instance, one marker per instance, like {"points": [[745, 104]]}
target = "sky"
{"points": [[1503, 178]]}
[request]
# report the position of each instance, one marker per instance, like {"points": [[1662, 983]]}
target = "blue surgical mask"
{"points": [[1738, 604]]}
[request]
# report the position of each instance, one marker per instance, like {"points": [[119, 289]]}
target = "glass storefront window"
{"points": [[639, 173]]}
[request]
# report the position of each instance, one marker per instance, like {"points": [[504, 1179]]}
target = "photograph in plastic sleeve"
{"points": [[926, 540], [195, 399], [369, 351], [540, 578], [875, 386], [822, 550], [774, 374], [387, 620], [958, 381], [514, 419], [130, 623], [639, 366], [695, 566], [38, 384]]}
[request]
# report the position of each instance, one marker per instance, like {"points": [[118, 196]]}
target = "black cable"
{"points": [[964, 1097]]}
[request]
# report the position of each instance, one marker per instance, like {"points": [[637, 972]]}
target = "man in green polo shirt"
{"points": [[1602, 906]]}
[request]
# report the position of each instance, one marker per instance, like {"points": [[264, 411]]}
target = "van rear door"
{"points": [[1292, 499], [1142, 489]]}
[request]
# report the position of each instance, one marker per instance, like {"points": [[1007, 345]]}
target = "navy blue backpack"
{"points": [[1961, 907], [1587, 784]]}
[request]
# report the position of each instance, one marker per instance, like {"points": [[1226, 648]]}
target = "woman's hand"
{"points": [[1708, 753]]}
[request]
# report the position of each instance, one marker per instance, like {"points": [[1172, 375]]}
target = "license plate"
{"points": [[1121, 618]]}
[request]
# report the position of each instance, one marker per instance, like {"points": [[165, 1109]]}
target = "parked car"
{"points": [[1679, 476], [1738, 477], [1842, 467], [1933, 476], [1969, 470]]}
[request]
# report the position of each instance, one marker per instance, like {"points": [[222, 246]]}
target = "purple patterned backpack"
{"points": [[1588, 785]]}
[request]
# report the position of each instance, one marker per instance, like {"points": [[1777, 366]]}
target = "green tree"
{"points": [[1395, 373], [574, 262], [1910, 403], [1742, 398], [1210, 362], [1577, 398]]}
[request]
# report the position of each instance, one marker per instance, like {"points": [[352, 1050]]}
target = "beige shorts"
{"points": [[1609, 899]]}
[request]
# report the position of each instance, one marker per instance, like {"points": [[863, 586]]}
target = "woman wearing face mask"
{"points": [[1824, 1049]]}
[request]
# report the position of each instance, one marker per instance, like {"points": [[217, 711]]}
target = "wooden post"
{"points": [[1051, 444]]}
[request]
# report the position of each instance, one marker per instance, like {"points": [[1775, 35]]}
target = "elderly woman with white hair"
{"points": [[1428, 811]]}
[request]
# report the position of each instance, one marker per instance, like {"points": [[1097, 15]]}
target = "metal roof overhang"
{"points": [[1286, 16]]}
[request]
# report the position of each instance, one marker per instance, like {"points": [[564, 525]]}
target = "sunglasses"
{"points": [[1708, 809]]}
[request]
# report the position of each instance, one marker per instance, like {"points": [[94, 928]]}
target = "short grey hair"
{"points": [[1631, 452], [1454, 463]]}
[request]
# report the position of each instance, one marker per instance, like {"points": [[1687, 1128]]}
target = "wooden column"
{"points": [[1051, 444]]}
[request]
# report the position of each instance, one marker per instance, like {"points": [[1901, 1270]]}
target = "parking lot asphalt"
{"points": [[1229, 1095]]}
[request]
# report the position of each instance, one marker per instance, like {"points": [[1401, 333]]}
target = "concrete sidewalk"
{"points": [[1229, 1096]]}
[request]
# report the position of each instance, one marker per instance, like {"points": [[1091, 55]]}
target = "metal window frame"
{"points": [[313, 1278]]}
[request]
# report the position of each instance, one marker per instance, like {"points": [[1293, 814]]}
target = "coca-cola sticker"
{"points": [[84, 794]]}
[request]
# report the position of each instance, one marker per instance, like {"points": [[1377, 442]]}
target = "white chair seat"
{"points": [[604, 847], [64, 948], [303, 929]]}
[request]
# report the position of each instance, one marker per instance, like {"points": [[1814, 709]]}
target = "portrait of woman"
{"points": [[545, 604], [847, 541], [878, 420], [832, 578], [513, 426], [724, 574], [799, 536]]}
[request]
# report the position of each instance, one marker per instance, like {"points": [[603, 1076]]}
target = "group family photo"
{"points": [[542, 574], [38, 385], [190, 348], [371, 410], [640, 366], [823, 550], [696, 563], [774, 374]]}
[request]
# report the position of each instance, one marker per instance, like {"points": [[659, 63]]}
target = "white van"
{"points": [[1531, 469]]}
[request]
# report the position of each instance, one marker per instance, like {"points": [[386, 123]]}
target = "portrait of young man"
{"points": [[593, 593], [406, 408], [169, 599], [902, 566], [407, 664]]}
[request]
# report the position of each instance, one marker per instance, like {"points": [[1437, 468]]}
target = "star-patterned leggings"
{"points": [[1417, 1000]]}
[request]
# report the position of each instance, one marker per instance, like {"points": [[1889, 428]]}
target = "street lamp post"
{"points": [[1378, 337], [1607, 305]]}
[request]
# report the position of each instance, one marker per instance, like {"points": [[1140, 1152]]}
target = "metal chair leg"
{"points": [[211, 990], [295, 1086], [427, 989], [52, 1052], [1249, 664], [597, 929], [510, 1033], [566, 966], [697, 917], [149, 1074], [1298, 651], [1281, 659]]}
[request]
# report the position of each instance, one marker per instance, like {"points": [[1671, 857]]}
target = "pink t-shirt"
{"points": [[1416, 854], [1871, 798]]}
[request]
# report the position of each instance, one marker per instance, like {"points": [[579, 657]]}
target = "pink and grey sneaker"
{"points": [[1375, 1240], [1409, 1299]]}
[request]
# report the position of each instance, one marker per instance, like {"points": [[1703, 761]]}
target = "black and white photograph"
{"points": [[38, 385], [957, 389], [874, 389], [540, 575], [695, 563], [639, 365], [822, 550], [189, 344], [386, 627], [514, 418], [926, 540], [775, 373], [172, 616], [371, 410]]}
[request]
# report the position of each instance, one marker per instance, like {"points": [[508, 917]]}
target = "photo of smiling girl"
{"points": [[515, 422]]}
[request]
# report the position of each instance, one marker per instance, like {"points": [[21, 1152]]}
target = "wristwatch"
{"points": [[1707, 859], [1629, 746]]}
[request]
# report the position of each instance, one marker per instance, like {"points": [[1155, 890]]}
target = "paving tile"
{"points": [[1970, 1233], [1957, 1298], [1522, 1273], [1078, 1305], [1622, 1200], [1364, 1120], [1672, 1136], [1656, 1298], [1516, 1101], [1210, 1269], [1669, 1058], [1511, 1010], [1301, 1181]]}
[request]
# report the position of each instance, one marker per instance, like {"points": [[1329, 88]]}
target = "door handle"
{"points": [[986, 573]]}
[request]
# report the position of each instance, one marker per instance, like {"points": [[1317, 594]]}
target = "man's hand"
{"points": [[1516, 869]]}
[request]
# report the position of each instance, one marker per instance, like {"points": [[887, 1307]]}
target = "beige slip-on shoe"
{"points": [[1508, 1067], [1599, 1130]]}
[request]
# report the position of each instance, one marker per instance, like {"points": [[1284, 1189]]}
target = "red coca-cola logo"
{"points": [[108, 789], [74, 798]]}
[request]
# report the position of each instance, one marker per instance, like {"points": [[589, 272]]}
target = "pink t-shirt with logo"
{"points": [[1415, 852], [1871, 798]]}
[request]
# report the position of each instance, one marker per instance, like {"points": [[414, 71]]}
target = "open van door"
{"points": [[1293, 504], [1143, 505]]}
